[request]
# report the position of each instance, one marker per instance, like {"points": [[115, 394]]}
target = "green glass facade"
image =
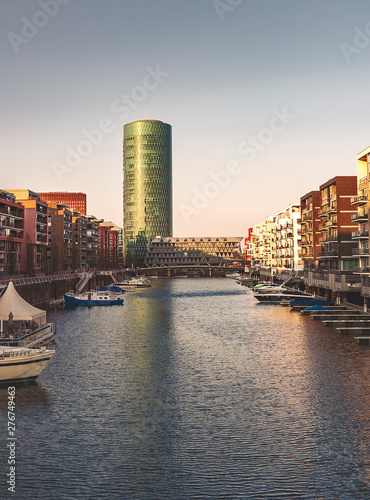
{"points": [[147, 186]]}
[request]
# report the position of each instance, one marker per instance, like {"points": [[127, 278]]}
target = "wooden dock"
{"points": [[347, 320]]}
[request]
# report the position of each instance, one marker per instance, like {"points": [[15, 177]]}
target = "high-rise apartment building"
{"points": [[147, 189]]}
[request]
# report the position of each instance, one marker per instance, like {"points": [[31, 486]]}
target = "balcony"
{"points": [[331, 222], [360, 252], [329, 237], [13, 212], [308, 255], [323, 212], [361, 216], [41, 219], [359, 200], [329, 254], [363, 180], [360, 235], [324, 200], [306, 217], [332, 207], [306, 243]]}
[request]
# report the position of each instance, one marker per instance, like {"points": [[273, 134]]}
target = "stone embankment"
{"points": [[46, 291]]}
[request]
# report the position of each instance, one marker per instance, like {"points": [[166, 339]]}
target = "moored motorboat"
{"points": [[233, 275], [134, 283], [18, 364], [284, 296], [92, 299]]}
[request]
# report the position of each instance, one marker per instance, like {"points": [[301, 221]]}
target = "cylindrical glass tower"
{"points": [[147, 186]]}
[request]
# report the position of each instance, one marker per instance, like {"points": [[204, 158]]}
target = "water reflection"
{"points": [[27, 395]]}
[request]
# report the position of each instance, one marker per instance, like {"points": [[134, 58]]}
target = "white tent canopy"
{"points": [[12, 302]]}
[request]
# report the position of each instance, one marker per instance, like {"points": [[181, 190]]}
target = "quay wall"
{"points": [[40, 294]]}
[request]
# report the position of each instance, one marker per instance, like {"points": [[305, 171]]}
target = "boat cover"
{"points": [[317, 308], [111, 288]]}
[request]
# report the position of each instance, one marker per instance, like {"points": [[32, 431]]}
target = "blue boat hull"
{"points": [[72, 301]]}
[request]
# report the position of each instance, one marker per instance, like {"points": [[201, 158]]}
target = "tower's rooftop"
{"points": [[157, 121]]}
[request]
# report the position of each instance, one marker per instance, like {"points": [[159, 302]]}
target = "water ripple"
{"points": [[191, 390]]}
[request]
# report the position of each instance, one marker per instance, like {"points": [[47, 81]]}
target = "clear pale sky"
{"points": [[224, 72]]}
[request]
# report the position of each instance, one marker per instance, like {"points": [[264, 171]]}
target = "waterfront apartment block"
{"points": [[288, 239], [247, 249], [60, 238], [93, 241], [75, 201], [275, 244], [193, 251], [117, 240], [34, 249], [11, 234], [360, 202], [337, 224], [108, 240], [310, 234], [331, 272], [263, 244], [79, 242]]}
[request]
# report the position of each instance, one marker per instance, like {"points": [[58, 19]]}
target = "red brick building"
{"points": [[108, 247], [336, 224]]}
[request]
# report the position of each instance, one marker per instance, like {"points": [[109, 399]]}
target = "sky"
{"points": [[268, 99]]}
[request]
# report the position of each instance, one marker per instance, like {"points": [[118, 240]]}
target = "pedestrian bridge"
{"points": [[189, 270]]}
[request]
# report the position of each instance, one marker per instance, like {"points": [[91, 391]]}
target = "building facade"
{"points": [[360, 202], [310, 234], [79, 242], [193, 251], [34, 249], [93, 241], [288, 239], [60, 238], [147, 188], [108, 242], [76, 201], [11, 234], [337, 225]]}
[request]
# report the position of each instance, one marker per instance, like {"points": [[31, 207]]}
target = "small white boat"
{"points": [[233, 275], [281, 296], [134, 283], [21, 364]]}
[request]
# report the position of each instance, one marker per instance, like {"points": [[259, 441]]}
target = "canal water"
{"points": [[193, 390]]}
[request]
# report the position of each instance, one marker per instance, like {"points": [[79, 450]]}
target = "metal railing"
{"points": [[40, 279]]}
